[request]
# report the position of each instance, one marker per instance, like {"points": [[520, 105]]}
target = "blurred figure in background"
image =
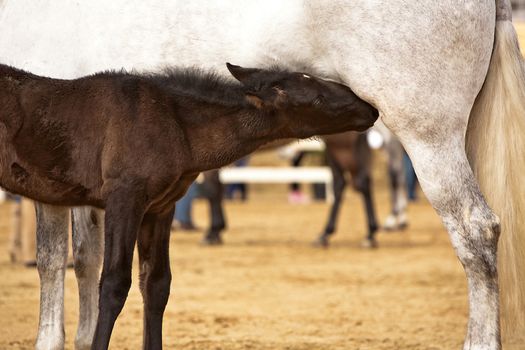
{"points": [[22, 239], [22, 242], [296, 195], [411, 179], [183, 219], [240, 187]]}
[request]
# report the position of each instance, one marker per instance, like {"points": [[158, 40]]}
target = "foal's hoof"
{"points": [[321, 242], [211, 241], [369, 243]]}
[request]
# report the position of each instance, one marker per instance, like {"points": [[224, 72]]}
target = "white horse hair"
{"points": [[421, 63]]}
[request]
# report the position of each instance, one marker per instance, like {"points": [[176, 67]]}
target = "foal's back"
{"points": [[59, 134]]}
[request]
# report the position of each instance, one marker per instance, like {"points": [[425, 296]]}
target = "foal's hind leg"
{"points": [[155, 275], [87, 253], [448, 182], [52, 237]]}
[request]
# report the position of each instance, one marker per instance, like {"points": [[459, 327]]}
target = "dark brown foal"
{"points": [[132, 144]]}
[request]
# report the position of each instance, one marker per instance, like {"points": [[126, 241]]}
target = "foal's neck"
{"points": [[221, 135]]}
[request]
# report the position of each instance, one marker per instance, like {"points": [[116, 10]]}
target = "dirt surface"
{"points": [[268, 288]]}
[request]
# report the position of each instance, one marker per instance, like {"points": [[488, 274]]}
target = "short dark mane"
{"points": [[192, 82], [16, 73], [200, 84]]}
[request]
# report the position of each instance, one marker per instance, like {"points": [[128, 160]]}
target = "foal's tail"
{"points": [[496, 151]]}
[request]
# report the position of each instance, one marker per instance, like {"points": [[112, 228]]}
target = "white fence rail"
{"points": [[280, 175]]}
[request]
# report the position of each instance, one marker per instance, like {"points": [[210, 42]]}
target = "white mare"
{"points": [[421, 63]]}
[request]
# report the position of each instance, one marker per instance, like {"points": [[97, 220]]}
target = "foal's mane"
{"points": [[203, 85], [15, 73], [196, 83]]}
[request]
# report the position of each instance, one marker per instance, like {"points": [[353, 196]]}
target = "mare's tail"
{"points": [[496, 151]]}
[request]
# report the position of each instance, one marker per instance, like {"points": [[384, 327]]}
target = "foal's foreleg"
{"points": [[124, 212], [51, 257], [88, 224], [155, 274]]}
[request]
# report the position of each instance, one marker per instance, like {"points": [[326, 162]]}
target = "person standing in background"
{"points": [[22, 242], [183, 219], [411, 178]]}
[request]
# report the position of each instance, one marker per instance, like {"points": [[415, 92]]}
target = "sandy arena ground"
{"points": [[268, 288]]}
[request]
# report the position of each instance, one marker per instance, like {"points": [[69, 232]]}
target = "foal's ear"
{"points": [[271, 99], [254, 100], [241, 74]]}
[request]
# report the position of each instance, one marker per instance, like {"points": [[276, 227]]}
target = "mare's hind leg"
{"points": [[213, 190], [155, 275], [88, 252], [339, 184], [449, 184], [51, 257]]}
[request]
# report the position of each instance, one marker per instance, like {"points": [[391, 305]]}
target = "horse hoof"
{"points": [[402, 225], [369, 244], [321, 242], [393, 223], [390, 223], [211, 241], [82, 345]]}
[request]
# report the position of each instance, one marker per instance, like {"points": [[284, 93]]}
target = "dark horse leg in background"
{"points": [[360, 154], [213, 189], [339, 184], [355, 157], [362, 182]]}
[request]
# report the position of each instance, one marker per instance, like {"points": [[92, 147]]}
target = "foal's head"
{"points": [[310, 105]]}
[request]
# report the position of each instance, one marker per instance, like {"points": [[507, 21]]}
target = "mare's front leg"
{"points": [[88, 250], [124, 211], [448, 182], [339, 184], [51, 258], [155, 274], [213, 190]]}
